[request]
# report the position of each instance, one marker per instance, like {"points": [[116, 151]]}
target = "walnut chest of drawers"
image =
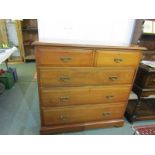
{"points": [[144, 87], [84, 87]]}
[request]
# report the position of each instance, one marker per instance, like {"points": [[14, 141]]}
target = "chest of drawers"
{"points": [[144, 87], [84, 87]]}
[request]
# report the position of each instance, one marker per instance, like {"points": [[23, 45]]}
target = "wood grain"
{"points": [[85, 76], [81, 126], [82, 86], [65, 96], [65, 57], [117, 58], [82, 113], [45, 44]]}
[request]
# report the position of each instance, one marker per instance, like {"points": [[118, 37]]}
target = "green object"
{"points": [[7, 79]]}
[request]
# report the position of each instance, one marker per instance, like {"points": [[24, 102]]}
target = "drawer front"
{"points": [[83, 113], [143, 92], [146, 107], [150, 81], [83, 95], [85, 76], [64, 57], [113, 58]]}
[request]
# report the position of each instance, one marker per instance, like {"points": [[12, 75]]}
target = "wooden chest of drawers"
{"points": [[83, 87], [144, 87]]}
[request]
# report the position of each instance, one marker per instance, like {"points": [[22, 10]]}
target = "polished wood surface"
{"points": [[116, 58], [82, 86], [83, 113], [81, 126], [45, 44], [65, 96], [85, 76], [65, 57]]}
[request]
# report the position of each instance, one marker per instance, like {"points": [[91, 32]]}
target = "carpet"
{"points": [[144, 130]]}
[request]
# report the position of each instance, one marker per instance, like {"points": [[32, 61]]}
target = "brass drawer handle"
{"points": [[109, 97], [63, 118], [113, 78], [64, 98], [118, 60], [63, 78], [65, 59], [106, 113]]}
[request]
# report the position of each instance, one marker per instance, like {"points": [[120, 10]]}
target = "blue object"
{"points": [[14, 72]]}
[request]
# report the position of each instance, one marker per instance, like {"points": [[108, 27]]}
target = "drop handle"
{"points": [[64, 98], [118, 60], [64, 78], [65, 59], [109, 97], [63, 118], [106, 113], [113, 78]]}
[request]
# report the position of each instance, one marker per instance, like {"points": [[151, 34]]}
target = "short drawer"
{"points": [[85, 76], [50, 56], [83, 113], [83, 95], [116, 58]]}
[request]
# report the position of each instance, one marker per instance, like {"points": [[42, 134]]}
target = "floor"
{"points": [[19, 108]]}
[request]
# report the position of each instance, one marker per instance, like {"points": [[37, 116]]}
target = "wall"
{"points": [[107, 32]]}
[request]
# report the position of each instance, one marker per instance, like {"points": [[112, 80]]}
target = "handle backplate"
{"points": [[118, 60], [65, 59]]}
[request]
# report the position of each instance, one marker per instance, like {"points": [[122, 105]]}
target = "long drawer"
{"points": [[64, 57], [85, 76], [61, 96], [83, 113], [117, 58]]}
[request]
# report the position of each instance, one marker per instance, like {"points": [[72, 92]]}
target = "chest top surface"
{"points": [[130, 48]]}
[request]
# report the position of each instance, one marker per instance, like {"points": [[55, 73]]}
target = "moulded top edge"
{"points": [[133, 47]]}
